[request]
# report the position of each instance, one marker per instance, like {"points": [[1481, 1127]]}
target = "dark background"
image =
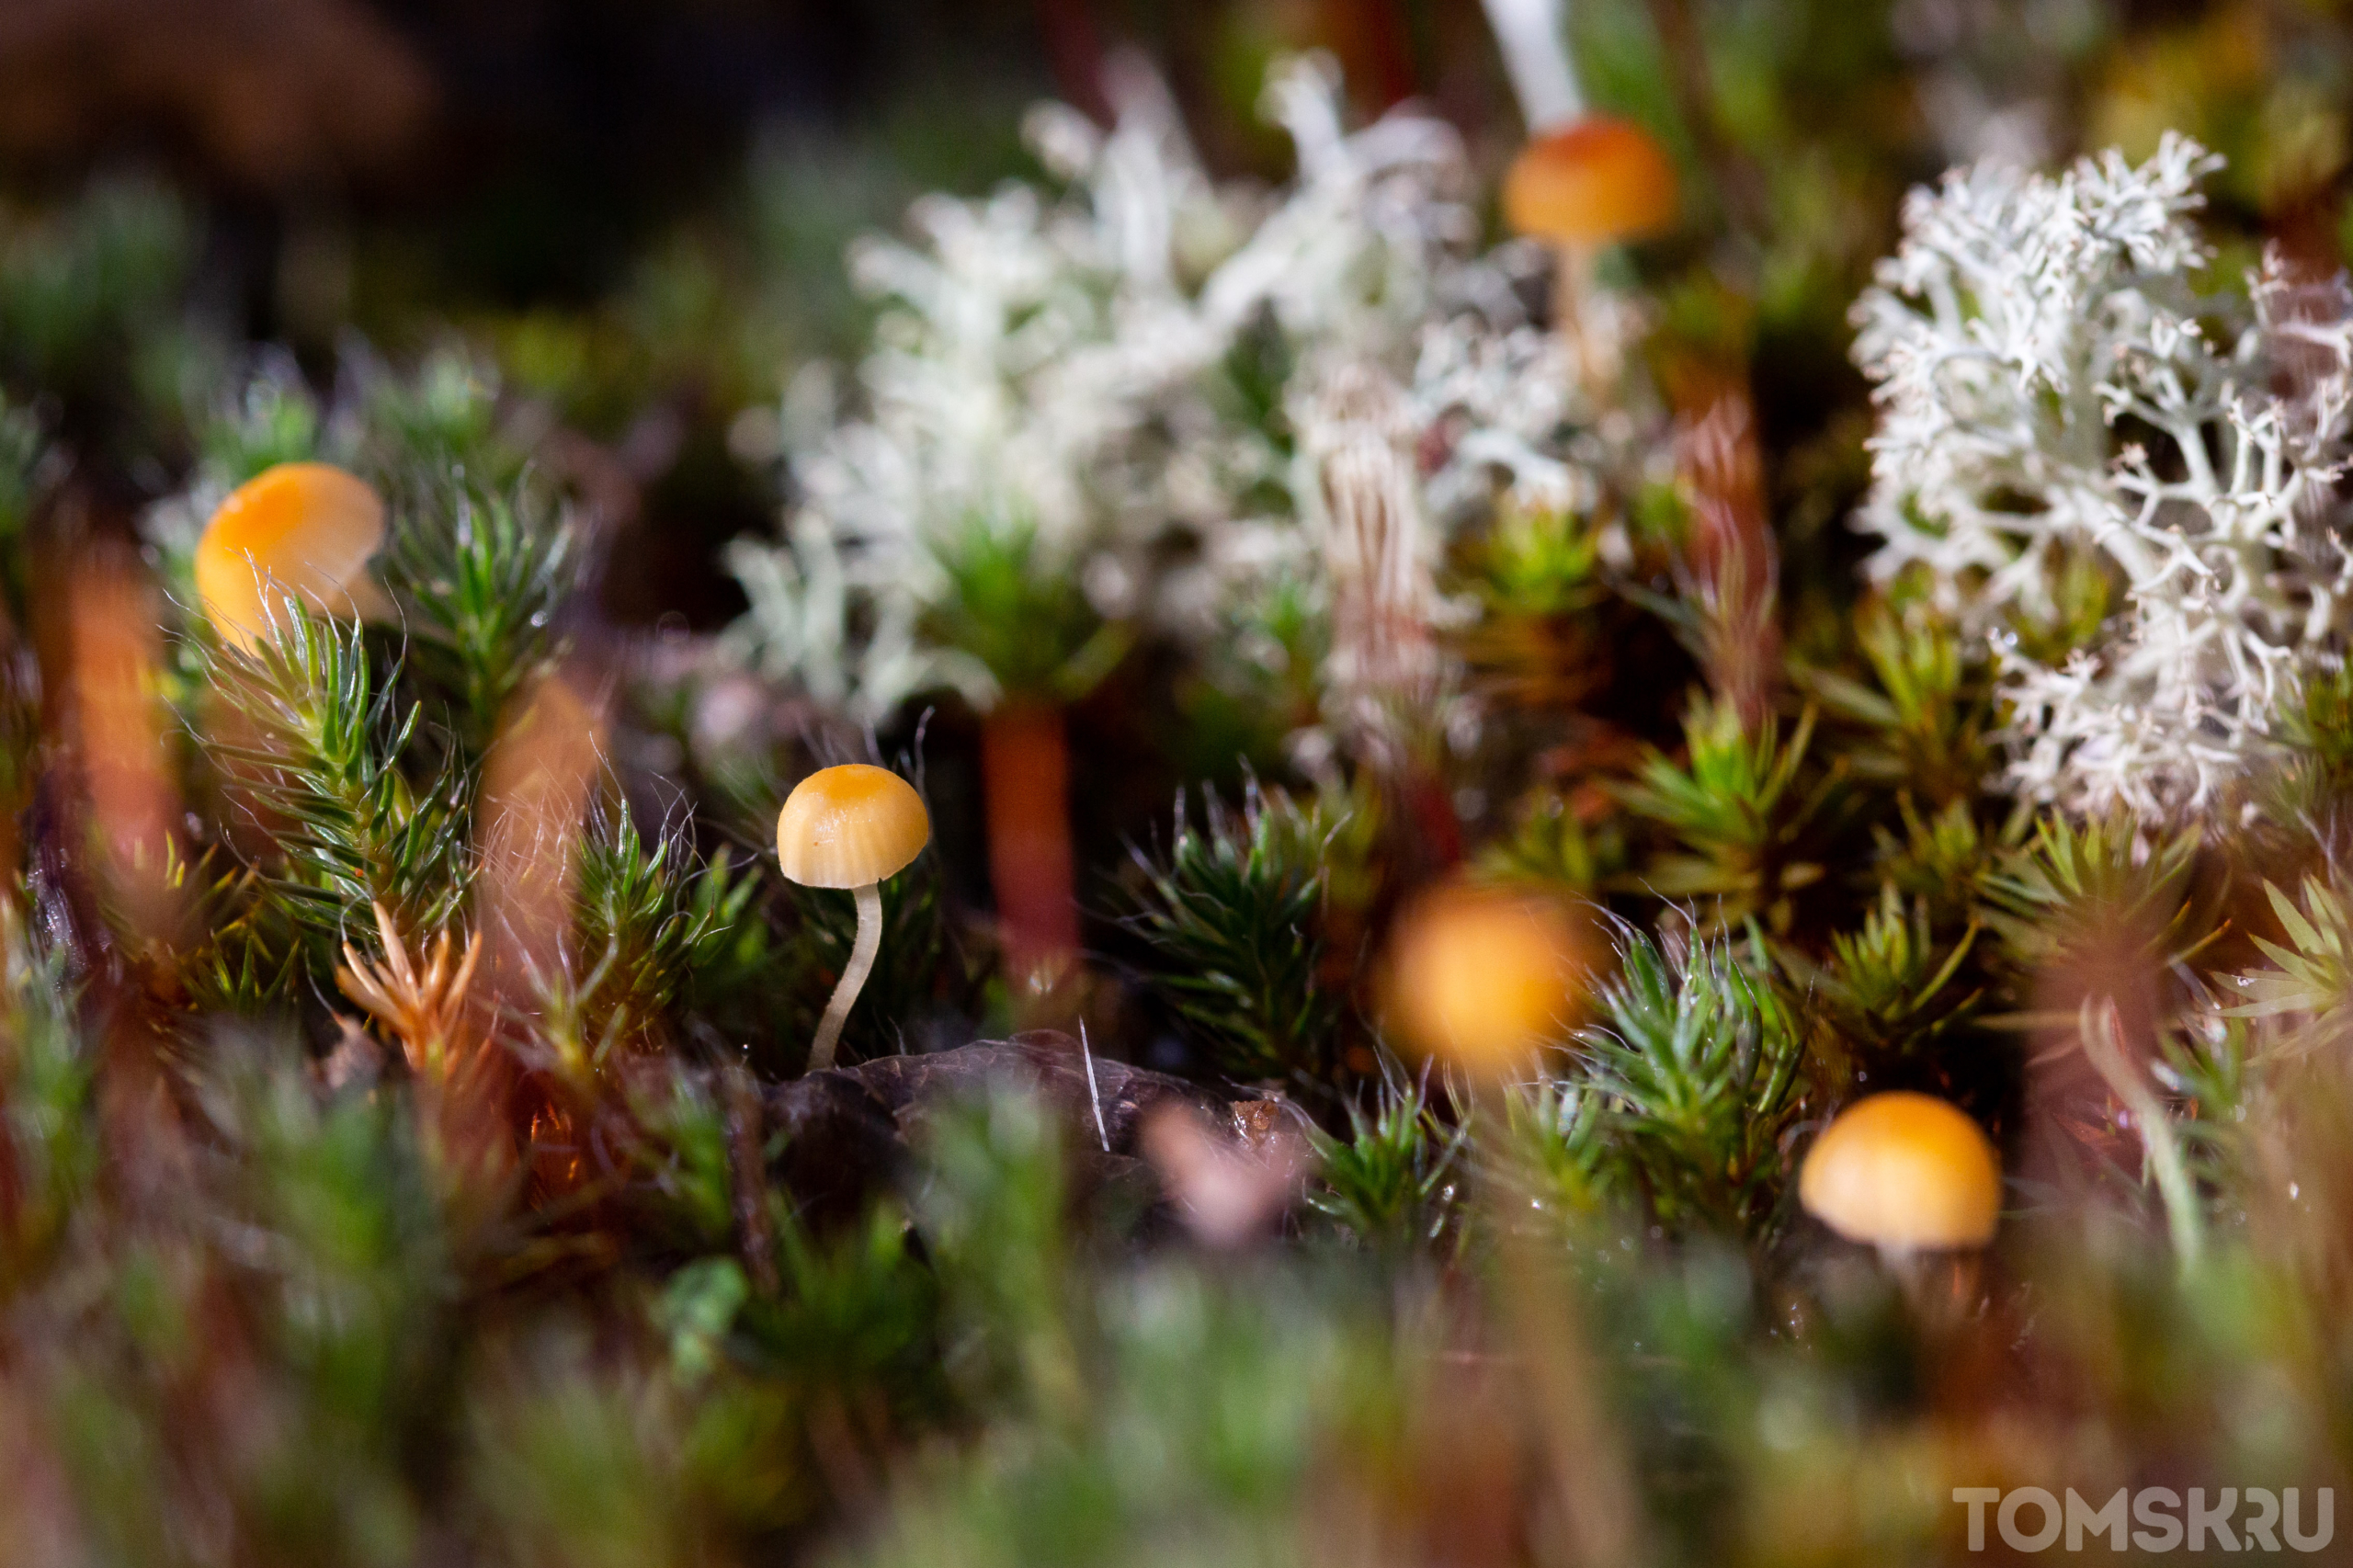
{"points": [[527, 149], [638, 204]]}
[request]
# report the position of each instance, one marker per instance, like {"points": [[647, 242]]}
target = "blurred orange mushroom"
{"points": [[1594, 183], [301, 529], [1482, 976], [1905, 1173]]}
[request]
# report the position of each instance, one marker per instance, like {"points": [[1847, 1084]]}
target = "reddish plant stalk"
{"points": [[1025, 783], [1733, 564]]}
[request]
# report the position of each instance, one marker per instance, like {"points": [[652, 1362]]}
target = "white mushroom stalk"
{"points": [[1533, 37], [853, 981]]}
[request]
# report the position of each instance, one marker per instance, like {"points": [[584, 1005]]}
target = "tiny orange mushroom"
{"points": [[1482, 976], [1594, 183], [850, 826], [1905, 1173], [301, 529]]}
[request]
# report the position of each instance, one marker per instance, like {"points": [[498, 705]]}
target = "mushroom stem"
{"points": [[1940, 1285], [1572, 283], [853, 981]]}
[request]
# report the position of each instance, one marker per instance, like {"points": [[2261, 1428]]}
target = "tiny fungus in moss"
{"points": [[304, 529], [1905, 1173], [850, 826]]}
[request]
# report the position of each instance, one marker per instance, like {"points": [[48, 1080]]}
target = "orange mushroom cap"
{"points": [[850, 826], [1904, 1172], [1484, 976], [1592, 183], [302, 529]]}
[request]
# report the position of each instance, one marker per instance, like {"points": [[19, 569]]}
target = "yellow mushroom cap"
{"points": [[1905, 1171], [1595, 182], [1482, 976], [304, 529], [848, 826]]}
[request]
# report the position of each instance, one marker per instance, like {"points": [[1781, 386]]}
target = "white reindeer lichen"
{"points": [[1076, 365], [1039, 365], [2054, 390]]}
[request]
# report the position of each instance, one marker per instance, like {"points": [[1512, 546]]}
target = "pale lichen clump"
{"points": [[2063, 413], [1036, 384], [1129, 382]]}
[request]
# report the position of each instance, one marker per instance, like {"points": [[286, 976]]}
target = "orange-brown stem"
{"points": [[1573, 268], [1025, 777]]}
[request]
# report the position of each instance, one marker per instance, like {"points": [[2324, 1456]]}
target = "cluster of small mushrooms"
{"points": [[306, 532], [1478, 978], [1486, 980]]}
